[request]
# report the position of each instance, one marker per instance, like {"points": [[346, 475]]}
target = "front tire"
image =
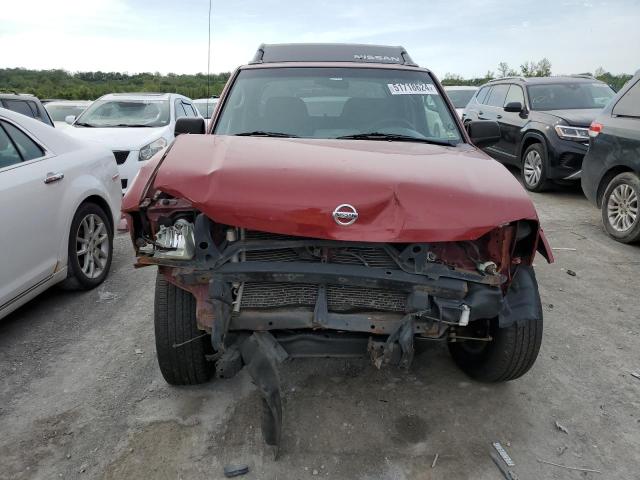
{"points": [[90, 249], [510, 354], [620, 208], [534, 168], [175, 323]]}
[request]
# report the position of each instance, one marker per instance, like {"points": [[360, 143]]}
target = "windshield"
{"points": [[460, 98], [323, 102], [126, 113], [59, 112], [567, 96], [202, 108]]}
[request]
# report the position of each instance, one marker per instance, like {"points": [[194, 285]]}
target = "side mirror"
{"points": [[70, 119], [513, 107], [191, 125], [484, 133]]}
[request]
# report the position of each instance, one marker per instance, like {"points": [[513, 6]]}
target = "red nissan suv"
{"points": [[335, 206]]}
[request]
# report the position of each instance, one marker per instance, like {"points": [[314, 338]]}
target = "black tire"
{"points": [[77, 279], [510, 354], [175, 323], [632, 182], [542, 183]]}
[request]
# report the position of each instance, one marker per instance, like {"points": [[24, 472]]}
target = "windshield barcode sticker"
{"points": [[412, 89]]}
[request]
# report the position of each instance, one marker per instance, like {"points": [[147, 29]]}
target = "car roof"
{"points": [[18, 96], [332, 52], [68, 102], [546, 80], [140, 96]]}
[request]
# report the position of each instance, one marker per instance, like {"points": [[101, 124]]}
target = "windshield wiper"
{"points": [[394, 136], [261, 133], [132, 125], [83, 124]]}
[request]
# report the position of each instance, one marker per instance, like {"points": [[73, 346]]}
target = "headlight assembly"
{"points": [[175, 242], [577, 134], [151, 149]]}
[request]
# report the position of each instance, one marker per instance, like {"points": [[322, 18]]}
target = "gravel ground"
{"points": [[81, 395]]}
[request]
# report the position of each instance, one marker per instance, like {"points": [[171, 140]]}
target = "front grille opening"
{"points": [[124, 182], [340, 298]]}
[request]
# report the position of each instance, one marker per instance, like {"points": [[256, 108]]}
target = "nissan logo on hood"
{"points": [[345, 214]]}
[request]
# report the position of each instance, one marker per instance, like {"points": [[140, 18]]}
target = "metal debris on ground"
{"points": [[138, 351], [561, 427], [231, 471], [506, 473], [503, 453], [579, 469], [635, 374], [571, 272], [435, 459]]}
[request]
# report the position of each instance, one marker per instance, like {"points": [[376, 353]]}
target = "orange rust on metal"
{"points": [[200, 291]]}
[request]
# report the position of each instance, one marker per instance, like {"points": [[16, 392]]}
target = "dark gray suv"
{"points": [[611, 169], [25, 104]]}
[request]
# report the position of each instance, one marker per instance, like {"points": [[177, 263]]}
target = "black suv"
{"points": [[543, 121], [611, 169], [25, 104]]}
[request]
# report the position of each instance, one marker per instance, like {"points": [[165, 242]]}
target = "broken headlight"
{"points": [[175, 242]]}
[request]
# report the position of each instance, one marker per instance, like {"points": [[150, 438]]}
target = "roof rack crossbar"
{"points": [[518, 77]]}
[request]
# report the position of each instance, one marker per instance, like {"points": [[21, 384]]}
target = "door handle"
{"points": [[499, 116], [53, 177], [480, 112]]}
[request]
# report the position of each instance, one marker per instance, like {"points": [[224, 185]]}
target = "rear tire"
{"points": [[175, 323], [621, 208], [510, 354], [534, 168]]}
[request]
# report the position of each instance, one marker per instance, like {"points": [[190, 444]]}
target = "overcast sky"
{"points": [[467, 37]]}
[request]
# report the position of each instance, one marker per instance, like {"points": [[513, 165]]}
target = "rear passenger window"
{"points": [[482, 94], [28, 148], [515, 95], [629, 104], [497, 96], [8, 153], [19, 106]]}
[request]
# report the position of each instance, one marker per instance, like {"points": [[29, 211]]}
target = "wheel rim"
{"points": [[622, 208], [532, 168], [92, 246]]}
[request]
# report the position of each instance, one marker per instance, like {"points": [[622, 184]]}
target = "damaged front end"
{"points": [[265, 297]]}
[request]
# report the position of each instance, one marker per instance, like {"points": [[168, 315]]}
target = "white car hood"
{"points": [[120, 138]]}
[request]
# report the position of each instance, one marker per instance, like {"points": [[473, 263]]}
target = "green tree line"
{"points": [[541, 68], [91, 85]]}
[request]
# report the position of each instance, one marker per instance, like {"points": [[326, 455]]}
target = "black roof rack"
{"points": [[331, 52]]}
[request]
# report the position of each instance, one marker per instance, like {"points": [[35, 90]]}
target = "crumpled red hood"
{"points": [[403, 192]]}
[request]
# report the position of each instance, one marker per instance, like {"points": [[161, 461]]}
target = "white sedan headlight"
{"points": [[577, 134], [151, 149]]}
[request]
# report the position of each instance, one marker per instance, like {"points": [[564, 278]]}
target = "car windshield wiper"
{"points": [[83, 124], [394, 136], [132, 125], [261, 133]]}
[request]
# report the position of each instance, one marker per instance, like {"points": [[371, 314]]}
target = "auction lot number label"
{"points": [[412, 89]]}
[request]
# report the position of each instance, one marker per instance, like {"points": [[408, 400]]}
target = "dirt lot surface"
{"points": [[81, 395]]}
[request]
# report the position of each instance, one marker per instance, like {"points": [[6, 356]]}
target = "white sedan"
{"points": [[460, 96], [60, 199]]}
